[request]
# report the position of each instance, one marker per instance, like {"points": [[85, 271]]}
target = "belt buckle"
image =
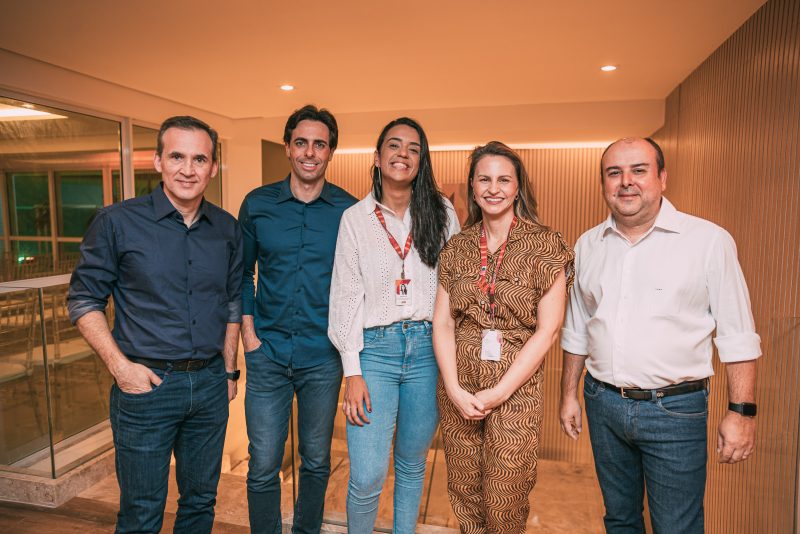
{"points": [[193, 365], [622, 392]]}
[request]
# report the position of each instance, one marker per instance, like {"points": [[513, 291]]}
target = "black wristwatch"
{"points": [[748, 409], [234, 375]]}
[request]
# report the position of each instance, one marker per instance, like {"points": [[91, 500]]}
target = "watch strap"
{"points": [[748, 409], [234, 375]]}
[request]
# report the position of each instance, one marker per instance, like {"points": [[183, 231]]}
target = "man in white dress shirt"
{"points": [[652, 286]]}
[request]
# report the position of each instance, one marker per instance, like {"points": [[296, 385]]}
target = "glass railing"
{"points": [[53, 387]]}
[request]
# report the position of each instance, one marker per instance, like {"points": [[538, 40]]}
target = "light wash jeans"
{"points": [[400, 370], [658, 443]]}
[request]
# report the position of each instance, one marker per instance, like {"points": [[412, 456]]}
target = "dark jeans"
{"points": [[658, 443], [268, 402], [187, 414]]}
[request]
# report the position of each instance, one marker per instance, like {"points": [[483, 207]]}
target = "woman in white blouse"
{"points": [[382, 294]]}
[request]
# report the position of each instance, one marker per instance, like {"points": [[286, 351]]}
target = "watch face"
{"points": [[748, 409]]}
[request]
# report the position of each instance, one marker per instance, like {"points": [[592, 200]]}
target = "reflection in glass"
{"points": [[56, 169], [60, 386], [29, 203], [78, 197]]}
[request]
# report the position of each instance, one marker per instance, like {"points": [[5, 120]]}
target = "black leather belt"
{"points": [[667, 391], [175, 365]]}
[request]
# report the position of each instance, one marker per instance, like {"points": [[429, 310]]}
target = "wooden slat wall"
{"points": [[732, 143], [567, 186]]}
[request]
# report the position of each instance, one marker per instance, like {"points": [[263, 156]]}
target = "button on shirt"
{"points": [[174, 287], [294, 244], [367, 266], [645, 312]]}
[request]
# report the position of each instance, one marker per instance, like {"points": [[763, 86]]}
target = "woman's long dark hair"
{"points": [[428, 210]]}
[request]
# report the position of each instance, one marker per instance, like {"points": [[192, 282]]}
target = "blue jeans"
{"points": [[268, 403], [187, 414], [400, 370], [658, 443]]}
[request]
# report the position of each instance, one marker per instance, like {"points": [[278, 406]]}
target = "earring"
{"points": [[380, 178]]}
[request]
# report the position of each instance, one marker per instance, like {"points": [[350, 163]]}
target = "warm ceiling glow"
{"points": [[287, 87], [608, 68], [15, 113]]}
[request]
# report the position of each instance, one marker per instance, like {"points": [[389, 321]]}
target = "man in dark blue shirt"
{"points": [[173, 264], [290, 229]]}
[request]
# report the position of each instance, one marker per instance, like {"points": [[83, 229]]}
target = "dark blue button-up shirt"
{"points": [[175, 288], [294, 244]]}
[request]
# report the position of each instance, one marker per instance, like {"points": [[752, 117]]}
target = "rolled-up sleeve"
{"points": [[736, 338], [249, 257], [96, 272], [235, 277]]}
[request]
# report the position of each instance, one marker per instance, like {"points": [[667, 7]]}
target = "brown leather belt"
{"points": [[667, 391]]}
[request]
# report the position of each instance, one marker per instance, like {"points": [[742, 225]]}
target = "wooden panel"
{"points": [[731, 139]]}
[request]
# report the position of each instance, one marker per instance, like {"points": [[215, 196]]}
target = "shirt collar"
{"points": [[370, 203], [161, 204], [668, 219], [162, 207], [286, 191]]}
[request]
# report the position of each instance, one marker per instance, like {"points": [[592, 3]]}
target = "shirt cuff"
{"points": [[738, 347], [351, 363], [248, 306], [235, 311], [80, 307], [572, 341]]}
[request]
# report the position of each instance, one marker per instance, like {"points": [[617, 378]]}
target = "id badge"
{"points": [[491, 345], [402, 292]]}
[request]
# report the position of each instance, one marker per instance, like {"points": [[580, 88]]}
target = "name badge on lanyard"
{"points": [[491, 339], [402, 285]]}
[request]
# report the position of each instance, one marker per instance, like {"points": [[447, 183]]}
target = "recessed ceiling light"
{"points": [[287, 87], [608, 68]]}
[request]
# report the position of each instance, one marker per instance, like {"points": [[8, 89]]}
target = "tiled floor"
{"points": [[565, 500]]}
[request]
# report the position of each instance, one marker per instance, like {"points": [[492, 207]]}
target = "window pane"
{"points": [[31, 259], [47, 149], [116, 187], [144, 148], [29, 204], [78, 197], [145, 182], [68, 254]]}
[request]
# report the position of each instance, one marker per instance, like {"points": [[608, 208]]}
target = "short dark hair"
{"points": [[186, 122], [311, 113], [659, 153]]}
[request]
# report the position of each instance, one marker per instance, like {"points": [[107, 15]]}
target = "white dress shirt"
{"points": [[645, 313], [364, 274]]}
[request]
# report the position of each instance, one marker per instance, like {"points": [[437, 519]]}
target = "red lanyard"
{"points": [[393, 241], [489, 287]]}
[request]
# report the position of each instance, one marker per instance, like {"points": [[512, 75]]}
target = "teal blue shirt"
{"points": [[294, 244]]}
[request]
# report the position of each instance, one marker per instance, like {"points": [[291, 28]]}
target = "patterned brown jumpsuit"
{"points": [[491, 464]]}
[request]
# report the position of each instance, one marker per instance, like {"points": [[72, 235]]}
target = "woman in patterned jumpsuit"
{"points": [[503, 283]]}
